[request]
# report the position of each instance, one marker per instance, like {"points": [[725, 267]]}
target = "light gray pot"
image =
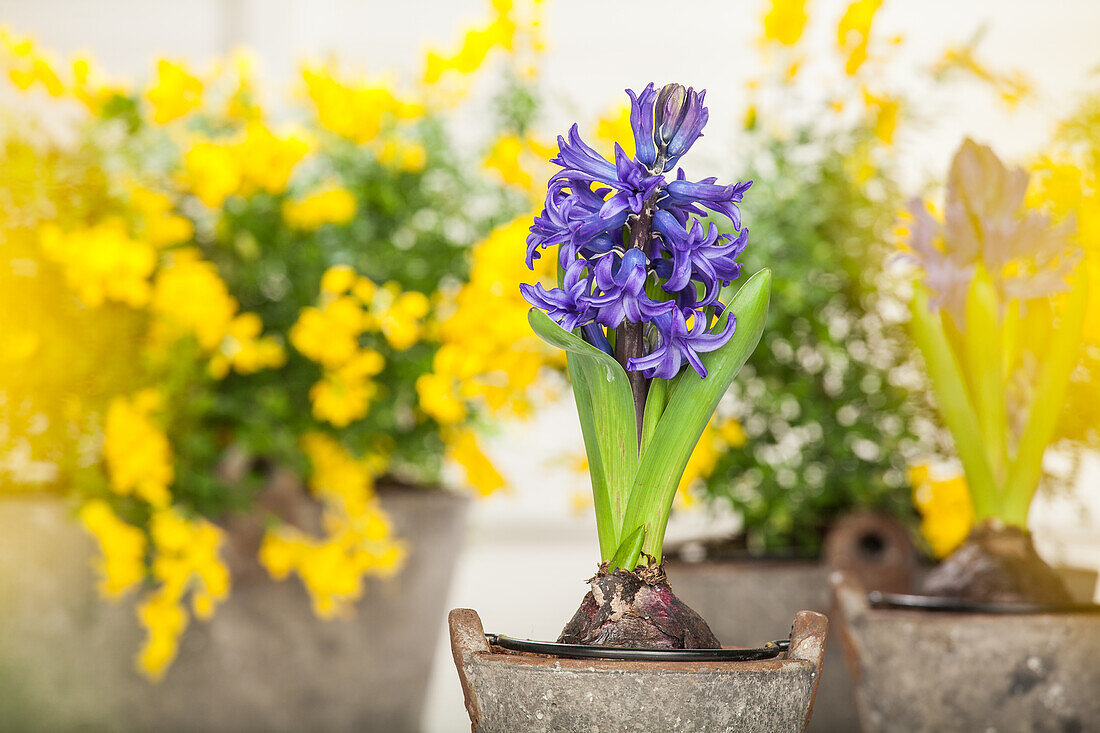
{"points": [[509, 692], [938, 671], [264, 662], [746, 601]]}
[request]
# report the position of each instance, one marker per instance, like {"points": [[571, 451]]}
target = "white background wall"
{"points": [[528, 552]]}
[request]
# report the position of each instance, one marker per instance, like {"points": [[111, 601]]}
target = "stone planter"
{"points": [[746, 601], [945, 671], [508, 692], [263, 663]]}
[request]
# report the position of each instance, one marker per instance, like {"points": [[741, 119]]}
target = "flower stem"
{"points": [[629, 337]]}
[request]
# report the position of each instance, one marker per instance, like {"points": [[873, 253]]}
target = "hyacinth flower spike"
{"points": [[651, 347]]}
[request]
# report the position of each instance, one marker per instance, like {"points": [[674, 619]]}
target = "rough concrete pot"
{"points": [[939, 671], [746, 601], [263, 663], [508, 692]]}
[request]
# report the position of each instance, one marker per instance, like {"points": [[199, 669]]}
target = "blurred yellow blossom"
{"points": [[784, 21], [26, 66], [174, 93], [403, 155], [400, 322], [211, 172], [121, 565], [437, 395], [159, 225], [853, 33], [244, 350], [341, 401], [614, 127], [717, 438], [101, 262], [885, 111], [136, 451], [947, 513], [329, 335], [520, 161], [476, 45], [190, 297], [358, 534], [267, 159], [463, 448], [356, 109], [328, 205], [1013, 86]]}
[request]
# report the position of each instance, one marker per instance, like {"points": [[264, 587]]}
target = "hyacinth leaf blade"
{"points": [[630, 549], [654, 408], [1047, 403], [983, 351], [605, 407], [690, 406], [949, 386]]}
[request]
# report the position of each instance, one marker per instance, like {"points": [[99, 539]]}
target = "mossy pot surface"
{"points": [[508, 691], [921, 670]]}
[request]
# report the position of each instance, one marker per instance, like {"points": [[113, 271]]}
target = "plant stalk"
{"points": [[629, 337]]}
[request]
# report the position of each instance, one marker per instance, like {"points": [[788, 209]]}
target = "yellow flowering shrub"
{"points": [[214, 286], [945, 508]]}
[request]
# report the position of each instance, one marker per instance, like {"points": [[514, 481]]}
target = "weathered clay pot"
{"points": [[507, 692], [746, 600], [264, 662], [945, 671]]}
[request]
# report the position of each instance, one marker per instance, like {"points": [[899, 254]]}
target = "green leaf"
{"points": [[626, 557], [1047, 403], [985, 377], [654, 408], [690, 406], [953, 402], [605, 407]]}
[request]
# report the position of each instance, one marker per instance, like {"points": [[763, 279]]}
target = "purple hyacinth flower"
{"points": [[698, 252], [681, 342], [568, 305], [679, 120], [684, 198], [622, 282], [641, 121]]}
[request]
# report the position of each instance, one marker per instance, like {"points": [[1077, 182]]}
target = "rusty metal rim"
{"points": [[879, 599], [771, 650]]}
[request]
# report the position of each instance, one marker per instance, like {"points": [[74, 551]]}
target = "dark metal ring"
{"points": [[878, 599], [771, 650]]}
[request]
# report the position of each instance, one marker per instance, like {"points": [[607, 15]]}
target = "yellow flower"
{"points": [[101, 262], [174, 93], [854, 32], [476, 45], [164, 621], [357, 110], [329, 335], [438, 397], [885, 110], [614, 127], [947, 513], [330, 205], [266, 159], [136, 451], [190, 297], [122, 548], [243, 350], [341, 401], [520, 162], [160, 226], [400, 322], [785, 21], [406, 156], [462, 447], [212, 172]]}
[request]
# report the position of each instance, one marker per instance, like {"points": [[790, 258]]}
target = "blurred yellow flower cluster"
{"points": [[358, 534], [784, 21], [359, 109], [476, 46], [102, 262], [175, 92], [854, 32], [190, 298], [521, 161], [329, 334], [328, 205], [184, 551], [253, 160], [945, 508]]}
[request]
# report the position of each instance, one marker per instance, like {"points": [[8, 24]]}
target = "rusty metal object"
{"points": [[946, 671], [507, 692]]}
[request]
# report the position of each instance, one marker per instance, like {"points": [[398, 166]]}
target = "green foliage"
{"points": [[827, 402]]}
